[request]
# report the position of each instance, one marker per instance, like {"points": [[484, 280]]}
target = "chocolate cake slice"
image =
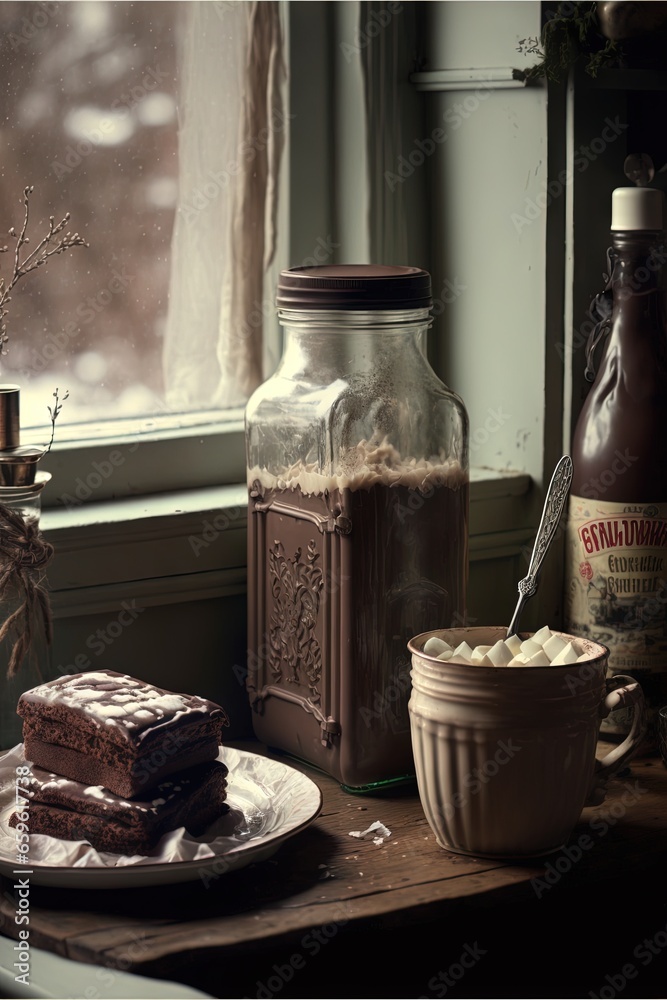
{"points": [[109, 729], [70, 810]]}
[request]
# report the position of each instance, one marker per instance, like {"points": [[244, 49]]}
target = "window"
{"points": [[333, 177], [181, 555], [91, 122], [136, 118]]}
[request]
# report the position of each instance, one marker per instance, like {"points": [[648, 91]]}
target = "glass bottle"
{"points": [[23, 557], [616, 565], [358, 512]]}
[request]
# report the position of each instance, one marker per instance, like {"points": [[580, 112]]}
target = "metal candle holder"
{"points": [[18, 463]]}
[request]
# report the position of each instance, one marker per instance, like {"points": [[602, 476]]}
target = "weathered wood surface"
{"points": [[324, 877]]}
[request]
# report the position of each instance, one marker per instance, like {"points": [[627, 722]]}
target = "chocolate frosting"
{"points": [[47, 788], [128, 708]]}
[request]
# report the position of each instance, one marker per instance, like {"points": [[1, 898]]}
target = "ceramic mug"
{"points": [[505, 756]]}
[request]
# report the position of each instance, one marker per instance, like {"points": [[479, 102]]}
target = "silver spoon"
{"points": [[551, 514]]}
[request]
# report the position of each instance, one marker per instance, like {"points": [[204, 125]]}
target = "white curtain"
{"points": [[231, 133]]}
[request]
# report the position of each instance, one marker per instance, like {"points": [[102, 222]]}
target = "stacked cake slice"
{"points": [[119, 762]]}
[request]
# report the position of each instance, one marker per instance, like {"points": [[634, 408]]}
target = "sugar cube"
{"points": [[542, 635], [567, 655], [554, 646], [530, 647], [435, 646], [513, 642], [500, 654], [479, 652]]}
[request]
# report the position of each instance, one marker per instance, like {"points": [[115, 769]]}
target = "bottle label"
{"points": [[616, 593], [616, 583]]}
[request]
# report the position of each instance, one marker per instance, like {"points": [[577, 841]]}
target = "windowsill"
{"points": [[190, 544], [485, 485], [138, 512], [172, 547], [115, 460]]}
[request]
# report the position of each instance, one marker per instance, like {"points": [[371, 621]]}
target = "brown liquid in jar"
{"points": [[339, 581]]}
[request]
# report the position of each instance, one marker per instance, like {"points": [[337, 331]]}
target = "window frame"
{"points": [[114, 459]]}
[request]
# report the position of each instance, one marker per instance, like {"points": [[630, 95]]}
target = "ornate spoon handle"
{"points": [[551, 515]]}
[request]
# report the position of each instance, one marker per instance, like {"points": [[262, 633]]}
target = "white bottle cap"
{"points": [[636, 208]]}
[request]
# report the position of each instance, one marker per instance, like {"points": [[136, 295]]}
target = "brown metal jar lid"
{"points": [[354, 287]]}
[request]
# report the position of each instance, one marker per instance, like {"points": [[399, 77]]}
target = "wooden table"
{"points": [[332, 916]]}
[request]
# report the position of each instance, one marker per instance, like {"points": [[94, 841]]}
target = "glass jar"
{"points": [[357, 524], [28, 628], [25, 614]]}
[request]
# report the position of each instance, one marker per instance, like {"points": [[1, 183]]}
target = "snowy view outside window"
{"points": [[88, 116]]}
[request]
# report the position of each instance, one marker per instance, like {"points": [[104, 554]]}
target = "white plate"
{"points": [[53, 977], [269, 802]]}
